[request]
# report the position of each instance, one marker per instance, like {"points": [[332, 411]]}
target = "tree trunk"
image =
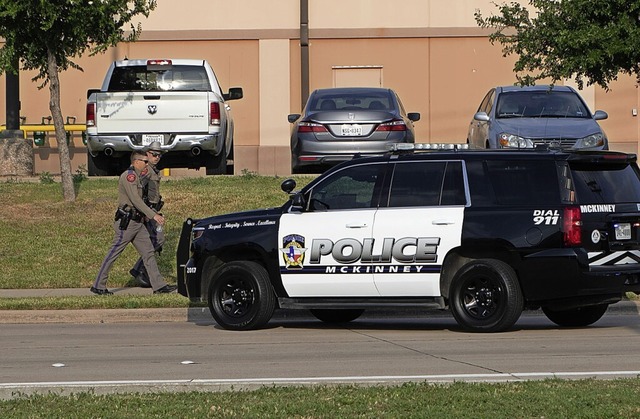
{"points": [[68, 191]]}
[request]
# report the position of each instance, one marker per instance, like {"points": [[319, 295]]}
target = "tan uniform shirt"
{"points": [[130, 192]]}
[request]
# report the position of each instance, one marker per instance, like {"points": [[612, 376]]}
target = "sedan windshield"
{"points": [[541, 104]]}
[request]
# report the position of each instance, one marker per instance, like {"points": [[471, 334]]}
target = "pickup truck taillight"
{"points": [[214, 113], [572, 226], [91, 115]]}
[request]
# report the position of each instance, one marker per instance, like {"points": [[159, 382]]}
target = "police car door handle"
{"points": [[356, 225], [442, 222]]}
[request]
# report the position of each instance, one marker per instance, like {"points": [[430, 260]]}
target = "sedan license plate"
{"points": [[149, 138], [623, 231], [351, 130]]}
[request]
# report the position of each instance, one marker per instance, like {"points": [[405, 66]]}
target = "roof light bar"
{"points": [[427, 146]]}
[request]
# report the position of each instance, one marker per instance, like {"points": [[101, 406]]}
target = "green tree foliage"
{"points": [[47, 35], [583, 40]]}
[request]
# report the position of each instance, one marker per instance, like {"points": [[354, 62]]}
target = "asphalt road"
{"points": [[197, 354]]}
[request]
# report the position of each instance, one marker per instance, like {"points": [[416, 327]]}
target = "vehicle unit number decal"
{"points": [[546, 217]]}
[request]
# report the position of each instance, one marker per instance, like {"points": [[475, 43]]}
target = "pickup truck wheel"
{"points": [[485, 296], [336, 315], [576, 317], [98, 165], [240, 296], [216, 165]]}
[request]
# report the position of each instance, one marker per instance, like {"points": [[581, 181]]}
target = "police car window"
{"points": [[424, 184], [606, 184], [350, 188], [513, 183]]}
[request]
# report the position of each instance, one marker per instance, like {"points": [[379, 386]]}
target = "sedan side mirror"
{"points": [[414, 116], [293, 117], [600, 115], [481, 116]]}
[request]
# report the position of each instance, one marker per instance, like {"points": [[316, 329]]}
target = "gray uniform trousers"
{"points": [[157, 240], [137, 234]]}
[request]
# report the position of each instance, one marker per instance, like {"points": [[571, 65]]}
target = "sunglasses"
{"points": [[155, 154], [145, 161]]}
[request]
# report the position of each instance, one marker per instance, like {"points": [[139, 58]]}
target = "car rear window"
{"points": [[596, 184], [513, 183], [352, 101], [175, 78]]}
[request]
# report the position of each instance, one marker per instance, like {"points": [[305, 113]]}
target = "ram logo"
{"points": [[152, 109]]}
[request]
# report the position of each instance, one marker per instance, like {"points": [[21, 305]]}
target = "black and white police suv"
{"points": [[485, 233]]}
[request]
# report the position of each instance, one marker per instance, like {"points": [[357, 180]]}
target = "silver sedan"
{"points": [[340, 123], [525, 117]]}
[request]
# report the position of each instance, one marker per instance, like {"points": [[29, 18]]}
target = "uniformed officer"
{"points": [[129, 228], [152, 197]]}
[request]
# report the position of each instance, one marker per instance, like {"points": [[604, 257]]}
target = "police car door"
{"points": [[322, 246], [417, 226]]}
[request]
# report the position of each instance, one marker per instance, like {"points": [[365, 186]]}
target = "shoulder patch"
{"points": [[131, 177]]}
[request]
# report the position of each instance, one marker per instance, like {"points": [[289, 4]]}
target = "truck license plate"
{"points": [[623, 231], [149, 138], [351, 130]]}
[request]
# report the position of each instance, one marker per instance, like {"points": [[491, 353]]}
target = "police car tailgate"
{"points": [[148, 112]]}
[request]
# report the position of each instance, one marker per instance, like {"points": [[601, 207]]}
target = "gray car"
{"points": [[525, 117], [340, 123]]}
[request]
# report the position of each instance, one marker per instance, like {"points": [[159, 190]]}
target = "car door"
{"points": [[417, 226], [322, 246], [479, 129]]}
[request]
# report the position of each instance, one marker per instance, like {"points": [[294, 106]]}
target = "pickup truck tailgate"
{"points": [[152, 112]]}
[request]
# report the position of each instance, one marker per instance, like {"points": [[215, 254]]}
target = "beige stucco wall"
{"points": [[430, 51]]}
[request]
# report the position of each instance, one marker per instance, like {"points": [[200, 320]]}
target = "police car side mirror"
{"points": [[288, 185]]}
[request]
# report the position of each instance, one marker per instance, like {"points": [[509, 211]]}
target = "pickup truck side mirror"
{"points": [[92, 91], [234, 93]]}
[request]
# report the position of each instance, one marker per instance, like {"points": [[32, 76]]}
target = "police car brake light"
{"points": [[428, 146]]}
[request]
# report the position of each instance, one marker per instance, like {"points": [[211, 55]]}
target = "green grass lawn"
{"points": [[49, 243], [531, 399]]}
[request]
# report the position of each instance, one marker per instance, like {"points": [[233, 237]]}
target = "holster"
{"points": [[124, 216]]}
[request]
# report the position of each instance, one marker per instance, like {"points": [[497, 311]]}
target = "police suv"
{"points": [[485, 233]]}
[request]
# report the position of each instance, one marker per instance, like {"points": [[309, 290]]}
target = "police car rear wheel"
{"points": [[577, 317], [337, 315], [485, 296], [240, 296]]}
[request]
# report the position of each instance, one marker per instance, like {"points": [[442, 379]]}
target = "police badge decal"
{"points": [[293, 251]]}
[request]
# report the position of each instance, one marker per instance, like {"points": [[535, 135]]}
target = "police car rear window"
{"points": [[606, 184], [513, 183]]}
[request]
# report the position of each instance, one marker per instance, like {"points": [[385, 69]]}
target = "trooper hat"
{"points": [[154, 146]]}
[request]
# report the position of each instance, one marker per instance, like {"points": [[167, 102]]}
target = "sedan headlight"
{"points": [[506, 140], [590, 141]]}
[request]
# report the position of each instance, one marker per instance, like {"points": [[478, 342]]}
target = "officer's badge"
{"points": [[293, 251]]}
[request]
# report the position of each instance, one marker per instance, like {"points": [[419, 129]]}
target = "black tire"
{"points": [[98, 165], [240, 296], [576, 317], [216, 165], [337, 315], [485, 296]]}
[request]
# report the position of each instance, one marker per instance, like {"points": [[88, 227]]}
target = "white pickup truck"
{"points": [[177, 102]]}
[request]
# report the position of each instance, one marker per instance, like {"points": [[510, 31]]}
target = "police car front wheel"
{"points": [[485, 296], [240, 296]]}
